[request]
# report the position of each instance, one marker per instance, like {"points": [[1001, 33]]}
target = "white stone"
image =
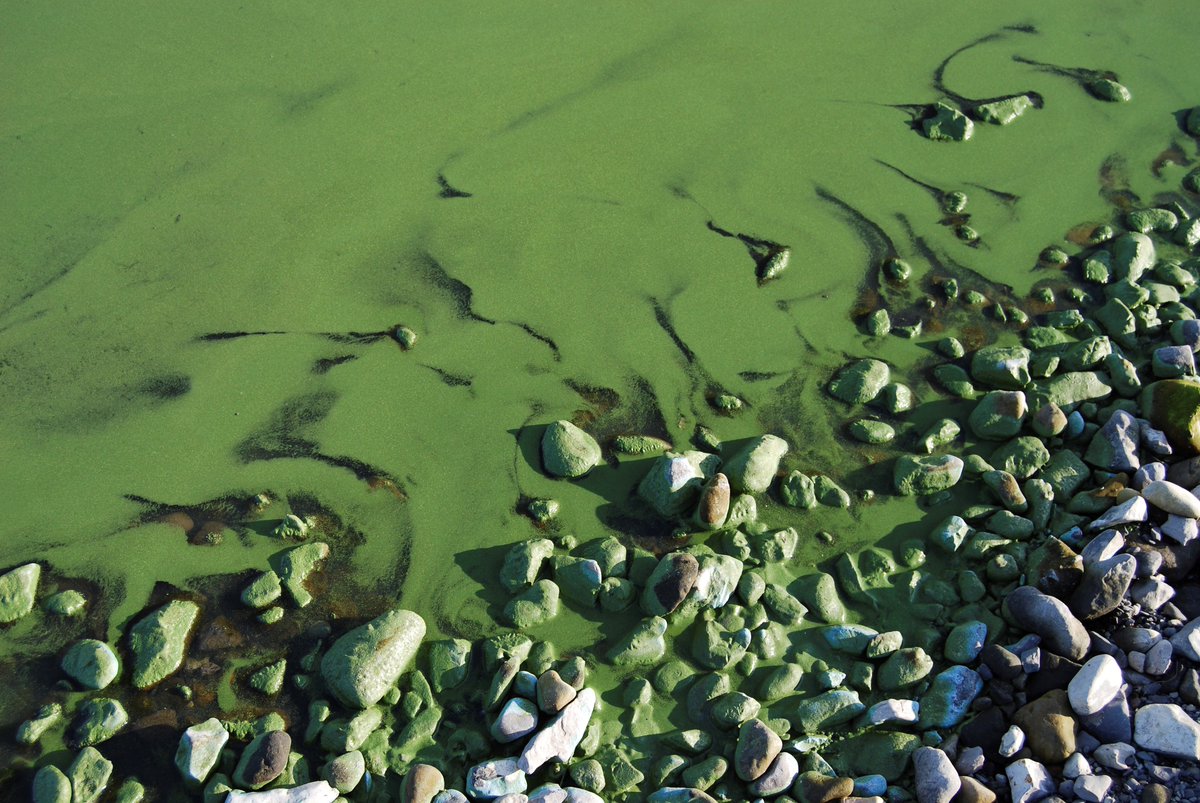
{"points": [[1092, 788], [1158, 660], [1171, 498], [200, 750], [894, 711], [1166, 729], [1187, 640], [315, 792], [1104, 546], [559, 739], [1131, 511], [1114, 756], [1028, 781], [935, 778], [1181, 529], [1075, 766], [1012, 741], [1094, 685]]}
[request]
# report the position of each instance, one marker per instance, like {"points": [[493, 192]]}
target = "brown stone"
{"points": [[813, 787], [421, 784], [553, 692], [714, 502], [263, 760], [757, 747], [1049, 726], [972, 791]]}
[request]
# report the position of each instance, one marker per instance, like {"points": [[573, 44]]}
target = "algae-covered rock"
{"points": [[296, 564], [1005, 111], [827, 710], [98, 720], [51, 785], [669, 583], [1108, 90], [1003, 367], [449, 661], [523, 562], [89, 774], [860, 381], [904, 667], [568, 451], [262, 591], [65, 603], [1022, 457], [754, 466], [534, 606], [999, 414], [948, 124], [926, 474], [673, 483], [47, 717], [363, 664], [642, 646], [798, 490], [91, 663], [870, 431], [158, 642], [17, 590], [269, 679], [1173, 406], [949, 697]]}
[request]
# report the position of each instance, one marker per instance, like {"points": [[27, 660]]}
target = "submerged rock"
{"points": [[926, 474]]}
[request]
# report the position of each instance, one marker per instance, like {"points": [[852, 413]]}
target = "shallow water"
{"points": [[214, 216]]}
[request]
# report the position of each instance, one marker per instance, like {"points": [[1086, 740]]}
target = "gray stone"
{"points": [[51, 785], [1004, 367], [312, 792], [345, 772], [965, 642], [1115, 446], [1050, 619], [949, 697], [1171, 498], [672, 485], [999, 415], [936, 779], [827, 709], [1104, 585], [1029, 781], [669, 583], [778, 778], [1186, 641]]}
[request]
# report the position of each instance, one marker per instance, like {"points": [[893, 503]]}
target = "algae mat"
{"points": [[215, 217]]}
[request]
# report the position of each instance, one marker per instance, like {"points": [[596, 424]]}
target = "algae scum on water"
{"points": [[716, 403]]}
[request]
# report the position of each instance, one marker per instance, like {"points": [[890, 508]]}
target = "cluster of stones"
{"points": [[157, 646]]}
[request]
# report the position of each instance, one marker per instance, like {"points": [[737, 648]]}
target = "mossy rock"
{"points": [[1173, 406]]}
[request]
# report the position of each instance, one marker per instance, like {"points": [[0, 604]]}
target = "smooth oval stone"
{"points": [[1171, 498], [363, 664], [926, 474], [421, 784], [714, 502], [263, 760], [936, 779], [757, 747], [50, 785], [1051, 619]]}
